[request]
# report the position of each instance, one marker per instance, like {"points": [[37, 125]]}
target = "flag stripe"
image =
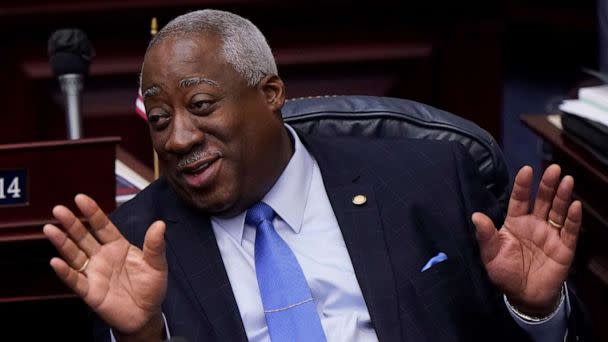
{"points": [[140, 109]]}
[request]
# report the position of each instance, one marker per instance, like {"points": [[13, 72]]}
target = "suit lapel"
{"points": [[361, 227], [191, 239]]}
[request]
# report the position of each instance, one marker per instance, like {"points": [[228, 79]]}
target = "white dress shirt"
{"points": [[306, 221]]}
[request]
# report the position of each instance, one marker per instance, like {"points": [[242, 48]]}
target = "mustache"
{"points": [[197, 155]]}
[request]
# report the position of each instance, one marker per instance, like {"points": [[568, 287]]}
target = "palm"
{"points": [[119, 278], [528, 259], [123, 284]]}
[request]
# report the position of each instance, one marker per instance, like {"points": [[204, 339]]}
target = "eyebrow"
{"points": [[194, 81], [152, 91], [185, 83]]}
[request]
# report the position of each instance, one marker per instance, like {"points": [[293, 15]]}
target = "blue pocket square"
{"points": [[440, 257]]}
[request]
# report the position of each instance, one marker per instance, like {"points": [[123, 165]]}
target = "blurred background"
{"points": [[487, 61], [490, 62]]}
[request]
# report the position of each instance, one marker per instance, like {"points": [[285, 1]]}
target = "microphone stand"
{"points": [[71, 85]]}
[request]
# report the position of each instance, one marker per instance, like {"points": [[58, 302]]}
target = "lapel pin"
{"points": [[359, 200]]}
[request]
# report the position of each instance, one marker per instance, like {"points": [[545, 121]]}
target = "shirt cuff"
{"points": [[167, 333], [552, 328]]}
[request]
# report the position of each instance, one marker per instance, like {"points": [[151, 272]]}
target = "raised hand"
{"points": [[123, 284], [529, 257]]}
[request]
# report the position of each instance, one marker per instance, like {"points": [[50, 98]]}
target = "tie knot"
{"points": [[258, 213]]}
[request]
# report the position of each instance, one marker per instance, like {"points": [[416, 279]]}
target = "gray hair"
{"points": [[243, 45]]}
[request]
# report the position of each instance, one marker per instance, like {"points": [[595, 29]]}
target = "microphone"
{"points": [[70, 53]]}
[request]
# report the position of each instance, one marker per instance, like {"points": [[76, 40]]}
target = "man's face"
{"points": [[221, 144]]}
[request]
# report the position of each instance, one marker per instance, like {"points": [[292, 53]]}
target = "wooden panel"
{"points": [[27, 275], [57, 171], [33, 301]]}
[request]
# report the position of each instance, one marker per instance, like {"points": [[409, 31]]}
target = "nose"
{"points": [[185, 134]]}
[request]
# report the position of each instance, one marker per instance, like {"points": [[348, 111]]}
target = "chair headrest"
{"points": [[372, 116]]}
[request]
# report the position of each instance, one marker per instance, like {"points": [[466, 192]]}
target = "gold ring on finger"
{"points": [[555, 224], [86, 263]]}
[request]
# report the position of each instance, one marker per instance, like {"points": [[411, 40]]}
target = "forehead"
{"points": [[183, 57], [186, 44]]}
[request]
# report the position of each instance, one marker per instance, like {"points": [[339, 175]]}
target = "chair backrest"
{"points": [[371, 116]]}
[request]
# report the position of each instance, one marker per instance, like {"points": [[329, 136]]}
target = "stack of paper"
{"points": [[592, 104], [586, 120]]}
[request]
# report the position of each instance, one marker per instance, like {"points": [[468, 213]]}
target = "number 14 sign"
{"points": [[13, 187]]}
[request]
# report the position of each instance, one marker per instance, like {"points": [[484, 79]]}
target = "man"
{"points": [[257, 231]]}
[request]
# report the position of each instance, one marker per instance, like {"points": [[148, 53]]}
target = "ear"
{"points": [[273, 89]]}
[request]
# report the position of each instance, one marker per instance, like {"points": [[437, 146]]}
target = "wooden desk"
{"points": [[34, 303], [591, 188]]}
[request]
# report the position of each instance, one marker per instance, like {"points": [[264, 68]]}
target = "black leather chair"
{"points": [[372, 116]]}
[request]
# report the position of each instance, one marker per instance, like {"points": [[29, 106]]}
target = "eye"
{"points": [[201, 104], [158, 118]]}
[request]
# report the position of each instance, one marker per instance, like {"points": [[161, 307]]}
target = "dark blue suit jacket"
{"points": [[420, 198]]}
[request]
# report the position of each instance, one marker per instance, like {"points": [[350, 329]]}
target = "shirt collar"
{"points": [[288, 195]]}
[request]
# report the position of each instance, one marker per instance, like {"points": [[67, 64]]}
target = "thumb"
{"points": [[487, 237], [154, 246]]}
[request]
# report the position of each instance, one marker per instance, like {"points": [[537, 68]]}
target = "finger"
{"points": [[487, 237], [561, 201], [73, 279], [101, 226], [546, 192], [572, 226], [66, 247], [519, 204], [154, 246], [75, 230]]}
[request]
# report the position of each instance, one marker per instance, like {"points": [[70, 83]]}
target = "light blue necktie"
{"points": [[289, 308]]}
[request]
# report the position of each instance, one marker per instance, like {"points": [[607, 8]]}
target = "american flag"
{"points": [[140, 109]]}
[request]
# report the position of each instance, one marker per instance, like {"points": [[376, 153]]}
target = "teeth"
{"points": [[202, 167]]}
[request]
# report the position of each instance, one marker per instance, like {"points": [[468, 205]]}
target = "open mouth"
{"points": [[201, 172], [198, 169]]}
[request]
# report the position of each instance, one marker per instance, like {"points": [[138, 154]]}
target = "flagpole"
{"points": [[153, 31]]}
